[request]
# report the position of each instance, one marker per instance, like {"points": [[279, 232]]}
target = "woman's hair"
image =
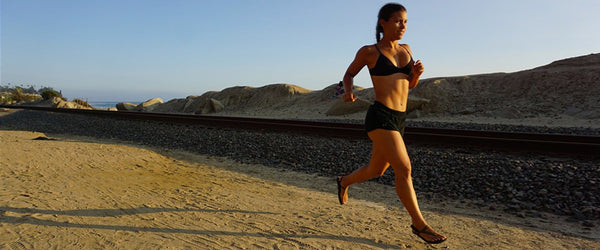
{"points": [[385, 13]]}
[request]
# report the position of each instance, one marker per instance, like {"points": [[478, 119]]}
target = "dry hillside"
{"points": [[565, 90], [567, 87]]}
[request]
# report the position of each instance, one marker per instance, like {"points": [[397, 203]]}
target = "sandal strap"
{"points": [[429, 231], [425, 230], [340, 188]]}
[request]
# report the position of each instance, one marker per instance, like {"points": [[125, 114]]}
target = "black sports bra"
{"points": [[384, 67]]}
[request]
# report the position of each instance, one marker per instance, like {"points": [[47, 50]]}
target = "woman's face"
{"points": [[395, 26]]}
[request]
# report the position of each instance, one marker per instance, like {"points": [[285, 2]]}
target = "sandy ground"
{"points": [[74, 192]]}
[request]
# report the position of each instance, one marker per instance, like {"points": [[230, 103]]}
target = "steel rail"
{"points": [[513, 141]]}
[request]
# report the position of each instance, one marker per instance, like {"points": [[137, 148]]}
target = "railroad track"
{"points": [[523, 142]]}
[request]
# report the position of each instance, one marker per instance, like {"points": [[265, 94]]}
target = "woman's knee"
{"points": [[403, 172]]}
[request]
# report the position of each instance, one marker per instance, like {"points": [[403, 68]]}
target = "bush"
{"points": [[31, 97], [17, 95], [48, 94], [5, 98]]}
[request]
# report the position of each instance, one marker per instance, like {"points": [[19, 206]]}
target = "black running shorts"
{"points": [[381, 117]]}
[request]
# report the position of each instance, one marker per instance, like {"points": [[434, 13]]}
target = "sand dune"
{"points": [[562, 93]]}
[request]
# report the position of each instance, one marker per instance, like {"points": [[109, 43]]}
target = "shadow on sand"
{"points": [[29, 219]]}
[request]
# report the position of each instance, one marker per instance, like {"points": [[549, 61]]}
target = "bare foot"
{"points": [[342, 191], [428, 235]]}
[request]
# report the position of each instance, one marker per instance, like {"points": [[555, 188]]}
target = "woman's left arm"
{"points": [[416, 71], [415, 74]]}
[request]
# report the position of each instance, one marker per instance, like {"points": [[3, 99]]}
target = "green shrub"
{"points": [[48, 94], [31, 97], [17, 95], [5, 97]]}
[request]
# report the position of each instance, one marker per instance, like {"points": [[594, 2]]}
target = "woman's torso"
{"points": [[390, 82]]}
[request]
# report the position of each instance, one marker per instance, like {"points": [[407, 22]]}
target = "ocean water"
{"points": [[109, 104]]}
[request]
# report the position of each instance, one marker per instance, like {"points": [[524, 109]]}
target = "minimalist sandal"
{"points": [[340, 189], [429, 231]]}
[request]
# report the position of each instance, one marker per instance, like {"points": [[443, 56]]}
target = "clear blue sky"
{"points": [[117, 50]]}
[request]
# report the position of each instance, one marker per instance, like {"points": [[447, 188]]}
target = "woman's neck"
{"points": [[387, 43]]}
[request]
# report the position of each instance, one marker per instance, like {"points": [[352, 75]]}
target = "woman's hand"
{"points": [[349, 97], [417, 68]]}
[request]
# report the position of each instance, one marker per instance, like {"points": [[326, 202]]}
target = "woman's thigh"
{"points": [[388, 146]]}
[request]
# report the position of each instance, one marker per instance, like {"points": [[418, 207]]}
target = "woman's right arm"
{"points": [[357, 64]]}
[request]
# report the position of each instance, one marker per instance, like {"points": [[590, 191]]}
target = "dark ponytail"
{"points": [[378, 31], [384, 14]]}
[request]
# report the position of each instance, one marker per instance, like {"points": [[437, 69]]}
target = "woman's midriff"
{"points": [[391, 91]]}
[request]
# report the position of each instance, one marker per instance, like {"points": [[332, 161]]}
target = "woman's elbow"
{"points": [[348, 76]]}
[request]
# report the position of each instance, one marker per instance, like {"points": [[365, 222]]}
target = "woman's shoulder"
{"points": [[405, 46], [368, 50], [368, 47]]}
